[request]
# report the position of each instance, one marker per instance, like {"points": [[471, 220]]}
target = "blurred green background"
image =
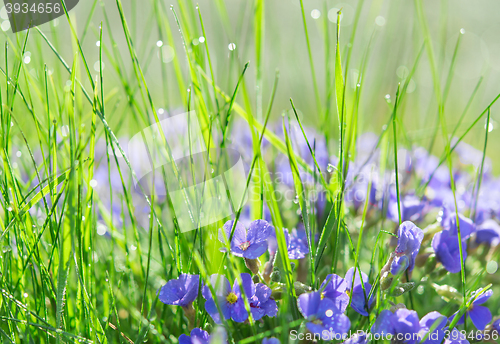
{"points": [[388, 33]]}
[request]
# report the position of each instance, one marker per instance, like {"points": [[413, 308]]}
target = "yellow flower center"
{"points": [[245, 245], [231, 298], [322, 295], [348, 292]]}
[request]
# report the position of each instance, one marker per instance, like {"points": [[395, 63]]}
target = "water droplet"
{"points": [[331, 168], [231, 46], [315, 14], [380, 21], [462, 31], [491, 267], [387, 96], [159, 43], [201, 39], [6, 249], [101, 229], [296, 199]]}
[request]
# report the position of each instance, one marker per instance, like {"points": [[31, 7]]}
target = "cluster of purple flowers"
{"points": [[325, 309]]}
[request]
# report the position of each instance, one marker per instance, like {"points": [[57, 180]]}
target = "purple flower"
{"points": [[403, 325], [322, 315], [409, 239], [249, 244], [231, 301], [479, 315], [198, 336], [496, 325], [261, 303], [456, 337], [432, 325], [181, 291], [296, 243], [447, 250], [298, 247], [411, 208], [446, 243], [488, 232], [339, 290], [467, 227], [357, 338], [271, 340]]}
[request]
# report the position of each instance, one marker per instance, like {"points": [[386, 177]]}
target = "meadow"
{"points": [[251, 172]]}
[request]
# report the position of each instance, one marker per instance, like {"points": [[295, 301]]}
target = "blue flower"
{"points": [[339, 290], [322, 315], [198, 336], [181, 291], [488, 232], [435, 322], [296, 243], [271, 340], [231, 303], [446, 243], [249, 244], [409, 239], [261, 303], [456, 337], [412, 208], [467, 227], [479, 315], [357, 338]]}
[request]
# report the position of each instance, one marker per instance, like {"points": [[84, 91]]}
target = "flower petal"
{"points": [[254, 251], [484, 297], [171, 292], [191, 285], [357, 281], [259, 231], [262, 292], [309, 304], [183, 339], [480, 316], [238, 311], [239, 235], [270, 307], [221, 286]]}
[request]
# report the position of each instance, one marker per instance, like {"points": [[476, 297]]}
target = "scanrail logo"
{"points": [[170, 159], [24, 14]]}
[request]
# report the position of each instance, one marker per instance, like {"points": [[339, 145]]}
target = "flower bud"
{"points": [[398, 291], [448, 293], [407, 286], [253, 265], [301, 288], [255, 278], [386, 280], [276, 276]]}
